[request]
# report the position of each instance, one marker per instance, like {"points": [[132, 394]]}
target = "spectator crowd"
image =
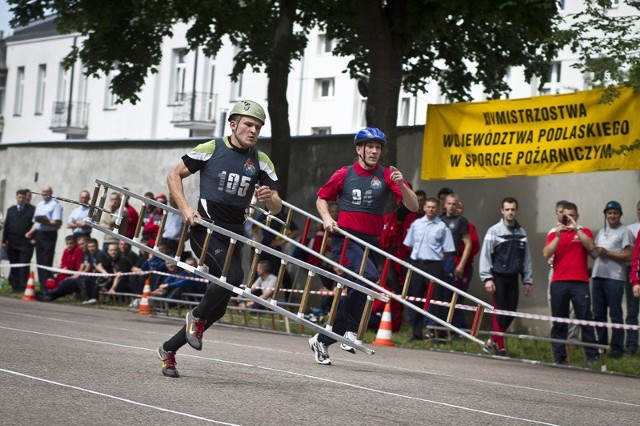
{"points": [[593, 273]]}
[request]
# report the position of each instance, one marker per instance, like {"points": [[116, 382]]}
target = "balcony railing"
{"points": [[70, 118], [195, 110]]}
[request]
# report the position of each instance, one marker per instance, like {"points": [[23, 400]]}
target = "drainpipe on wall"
{"points": [[70, 107]]}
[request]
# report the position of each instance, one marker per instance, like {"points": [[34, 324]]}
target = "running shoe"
{"points": [[490, 347], [349, 335], [168, 362], [194, 330], [320, 350]]}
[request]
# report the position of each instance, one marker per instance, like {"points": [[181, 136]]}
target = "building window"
{"points": [[405, 107], [179, 78], [321, 130], [236, 89], [41, 88], [17, 106], [325, 44], [109, 98], [2, 94], [64, 77], [211, 106], [555, 73], [325, 88], [362, 113], [211, 78], [82, 85], [553, 86]]}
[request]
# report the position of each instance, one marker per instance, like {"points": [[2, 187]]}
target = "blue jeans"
{"points": [[607, 293], [576, 293], [633, 303]]}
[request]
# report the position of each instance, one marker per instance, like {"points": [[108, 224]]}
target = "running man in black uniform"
{"points": [[231, 169]]}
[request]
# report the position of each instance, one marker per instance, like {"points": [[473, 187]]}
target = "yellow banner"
{"points": [[536, 136]]}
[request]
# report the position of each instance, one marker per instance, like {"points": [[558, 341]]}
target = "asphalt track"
{"points": [[63, 364]]}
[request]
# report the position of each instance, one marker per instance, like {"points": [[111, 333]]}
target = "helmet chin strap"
{"points": [[371, 166], [234, 132]]}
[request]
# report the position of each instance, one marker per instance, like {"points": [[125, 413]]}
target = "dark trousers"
{"points": [[418, 289], [505, 298], [633, 305], [18, 277], [45, 250], [458, 319], [576, 293], [215, 300], [351, 307], [67, 286], [607, 295]]}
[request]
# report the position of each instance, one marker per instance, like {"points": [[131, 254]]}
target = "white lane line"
{"points": [[383, 366], [413, 398], [491, 382], [291, 373], [117, 398]]}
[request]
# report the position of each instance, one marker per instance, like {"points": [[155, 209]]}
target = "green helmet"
{"points": [[248, 108]]}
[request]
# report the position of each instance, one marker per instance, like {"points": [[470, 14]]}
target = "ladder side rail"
{"points": [[382, 290], [395, 259], [138, 197], [290, 259], [251, 243], [316, 270], [243, 292]]}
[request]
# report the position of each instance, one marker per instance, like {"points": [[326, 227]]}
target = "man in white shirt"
{"points": [[430, 241], [264, 285], [76, 221], [612, 253], [47, 220]]}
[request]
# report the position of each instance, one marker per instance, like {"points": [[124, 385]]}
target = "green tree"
{"points": [[458, 43], [606, 42], [125, 36]]}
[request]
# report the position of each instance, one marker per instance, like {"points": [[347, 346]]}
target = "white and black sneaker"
{"points": [[349, 335], [320, 350], [490, 347]]}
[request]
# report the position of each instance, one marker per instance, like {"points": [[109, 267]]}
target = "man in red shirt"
{"points": [[634, 276], [570, 245], [362, 190], [71, 259]]}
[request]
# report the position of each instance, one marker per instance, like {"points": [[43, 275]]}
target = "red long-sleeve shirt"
{"points": [[634, 276]]}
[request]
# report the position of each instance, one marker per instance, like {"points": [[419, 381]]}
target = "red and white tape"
{"points": [[514, 314]]}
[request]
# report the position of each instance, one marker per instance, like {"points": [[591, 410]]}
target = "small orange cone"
{"points": [[383, 338], [30, 291], [145, 309]]}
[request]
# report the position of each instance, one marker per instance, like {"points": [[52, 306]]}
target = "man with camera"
{"points": [[570, 245]]}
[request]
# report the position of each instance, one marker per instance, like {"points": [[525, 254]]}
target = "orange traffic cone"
{"points": [[383, 338], [30, 291], [145, 309]]}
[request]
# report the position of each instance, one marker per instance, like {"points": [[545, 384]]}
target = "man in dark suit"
{"points": [[18, 221]]}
